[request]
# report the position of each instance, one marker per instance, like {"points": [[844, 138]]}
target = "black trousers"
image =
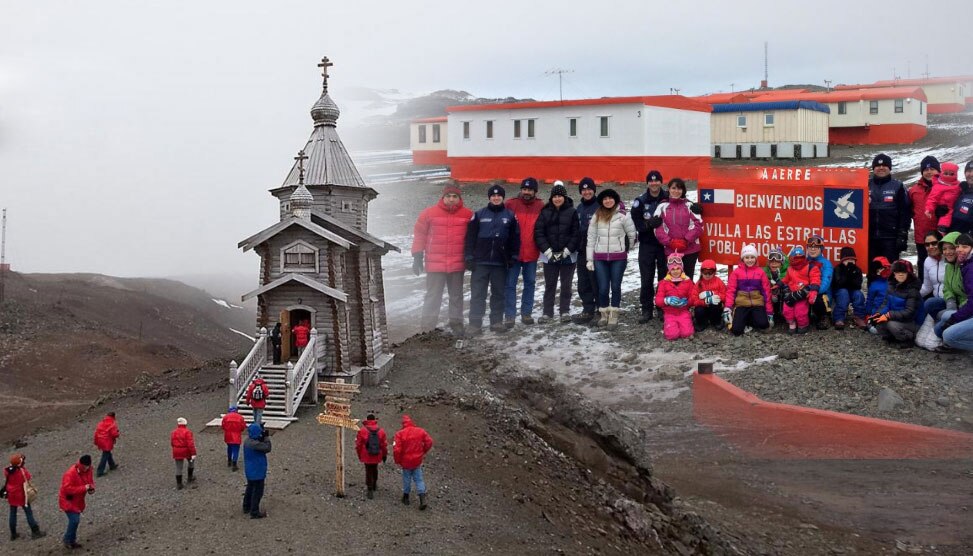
{"points": [[276, 353], [708, 315], [883, 248], [753, 316], [821, 307], [252, 496], [921, 256], [484, 277], [371, 476], [689, 264], [652, 267], [554, 273], [587, 286]]}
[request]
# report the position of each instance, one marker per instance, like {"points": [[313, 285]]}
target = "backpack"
{"points": [[258, 392], [373, 445]]}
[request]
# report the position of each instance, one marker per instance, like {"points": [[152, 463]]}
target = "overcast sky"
{"points": [[140, 138]]}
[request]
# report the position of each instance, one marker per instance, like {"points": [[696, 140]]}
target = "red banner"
{"points": [[781, 207]]}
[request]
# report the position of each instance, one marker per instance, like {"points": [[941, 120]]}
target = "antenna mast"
{"points": [[559, 72], [3, 253]]}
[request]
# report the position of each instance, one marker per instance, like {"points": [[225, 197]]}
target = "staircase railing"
{"points": [[300, 375], [240, 376]]}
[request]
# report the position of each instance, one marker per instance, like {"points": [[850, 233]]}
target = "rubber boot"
{"points": [[191, 478], [370, 493], [178, 482], [422, 501], [36, 533], [405, 499], [234, 467], [13, 535], [229, 462], [612, 318], [603, 319]]}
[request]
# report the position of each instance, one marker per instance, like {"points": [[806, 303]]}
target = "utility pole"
{"points": [[731, 86], [926, 75], [560, 73], [827, 83], [673, 91]]}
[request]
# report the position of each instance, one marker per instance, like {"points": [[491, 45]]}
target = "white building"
{"points": [[779, 129], [427, 139]]}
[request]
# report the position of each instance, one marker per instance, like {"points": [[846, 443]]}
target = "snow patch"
{"points": [[244, 334], [225, 304]]}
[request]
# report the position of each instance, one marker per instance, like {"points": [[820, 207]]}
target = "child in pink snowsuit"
{"points": [[676, 296], [803, 280], [945, 190]]}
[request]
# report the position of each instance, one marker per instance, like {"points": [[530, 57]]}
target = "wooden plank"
{"points": [[336, 399], [339, 409], [340, 463], [336, 421], [326, 387]]}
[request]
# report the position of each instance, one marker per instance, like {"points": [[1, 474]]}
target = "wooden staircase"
{"points": [[276, 378]]}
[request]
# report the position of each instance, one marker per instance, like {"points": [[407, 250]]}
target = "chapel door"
{"points": [[285, 336]]}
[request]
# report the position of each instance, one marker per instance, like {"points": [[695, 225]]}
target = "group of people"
{"points": [[410, 446], [503, 242]]}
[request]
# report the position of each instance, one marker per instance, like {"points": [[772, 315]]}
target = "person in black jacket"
{"points": [[889, 214], [652, 256], [492, 246], [896, 318], [587, 285], [962, 221], [556, 236], [275, 342], [846, 284]]}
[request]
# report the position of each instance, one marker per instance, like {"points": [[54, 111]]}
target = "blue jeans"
{"points": [[941, 323], [232, 452], [408, 475], [530, 280], [842, 298], [960, 335], [609, 276], [71, 535], [258, 415], [934, 305], [106, 460], [27, 512]]}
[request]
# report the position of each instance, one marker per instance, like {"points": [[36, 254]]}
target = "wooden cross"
{"points": [[300, 158], [324, 65]]}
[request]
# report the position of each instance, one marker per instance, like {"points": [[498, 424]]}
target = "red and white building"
{"points": [[610, 139], [427, 138], [945, 94]]}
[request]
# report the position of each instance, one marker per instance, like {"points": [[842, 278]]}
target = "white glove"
{"points": [[727, 315], [590, 265], [567, 253], [770, 320], [549, 253], [713, 300], [705, 295]]}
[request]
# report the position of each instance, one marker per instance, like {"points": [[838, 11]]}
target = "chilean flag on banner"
{"points": [[716, 202]]}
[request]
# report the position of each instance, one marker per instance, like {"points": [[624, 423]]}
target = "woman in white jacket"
{"points": [[934, 267], [607, 254]]}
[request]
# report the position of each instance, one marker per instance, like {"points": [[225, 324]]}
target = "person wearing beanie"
{"points": [[748, 297], [409, 447], [607, 253], [847, 284], [962, 220], [527, 208], [889, 214], [918, 194], [16, 481], [956, 327], [821, 306], [439, 237], [943, 195], [675, 297], [557, 238], [879, 271], [587, 284], [802, 282], [233, 426], [679, 226], [371, 445], [255, 449], [895, 320], [712, 298], [491, 246], [775, 270], [183, 450], [652, 255], [76, 483], [106, 433]]}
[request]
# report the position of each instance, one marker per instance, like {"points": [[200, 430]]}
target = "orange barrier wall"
{"points": [[437, 158], [946, 108], [888, 134], [573, 168], [780, 431]]}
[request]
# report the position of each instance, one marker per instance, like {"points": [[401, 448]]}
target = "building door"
{"points": [[296, 317], [285, 336]]}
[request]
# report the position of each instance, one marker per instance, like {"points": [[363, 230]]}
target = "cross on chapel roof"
{"points": [[324, 65], [300, 158]]}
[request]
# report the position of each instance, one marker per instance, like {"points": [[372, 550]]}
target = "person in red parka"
{"points": [[802, 282], [918, 193], [14, 478], [76, 483], [258, 402], [233, 426], [676, 296], [302, 335], [106, 433], [183, 450], [437, 249], [527, 209], [371, 444], [409, 447]]}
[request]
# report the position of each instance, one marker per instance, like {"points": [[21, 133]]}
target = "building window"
{"points": [[422, 134], [572, 127], [530, 129], [899, 106], [466, 130], [299, 257], [768, 120], [741, 121], [604, 126], [920, 108], [489, 129], [842, 107], [347, 206], [873, 107], [435, 133], [516, 129]]}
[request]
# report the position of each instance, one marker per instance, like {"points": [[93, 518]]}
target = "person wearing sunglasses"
{"points": [[918, 193], [963, 206], [935, 271], [821, 305], [889, 215], [775, 270], [945, 190]]}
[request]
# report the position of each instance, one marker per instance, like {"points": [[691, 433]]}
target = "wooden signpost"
{"points": [[337, 413]]}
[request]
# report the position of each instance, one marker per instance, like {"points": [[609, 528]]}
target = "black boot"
{"points": [[422, 501], [234, 468], [370, 493], [178, 482], [13, 535], [405, 499], [229, 461], [36, 533], [191, 478]]}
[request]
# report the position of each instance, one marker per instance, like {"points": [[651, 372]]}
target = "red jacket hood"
{"points": [[407, 421], [949, 180]]}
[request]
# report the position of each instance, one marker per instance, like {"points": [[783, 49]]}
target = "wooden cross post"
{"points": [[337, 413], [300, 158], [324, 65]]}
